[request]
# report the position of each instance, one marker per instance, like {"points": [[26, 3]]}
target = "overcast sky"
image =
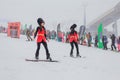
{"points": [[53, 12]]}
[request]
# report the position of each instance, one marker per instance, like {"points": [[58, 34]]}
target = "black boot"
{"points": [[71, 55], [78, 55], [48, 57], [36, 57]]}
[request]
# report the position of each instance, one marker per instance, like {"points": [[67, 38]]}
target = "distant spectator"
{"points": [[113, 38], [89, 39], [28, 35], [96, 41], [118, 43], [105, 41]]}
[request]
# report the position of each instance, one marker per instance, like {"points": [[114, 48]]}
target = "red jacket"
{"points": [[73, 37], [41, 34]]}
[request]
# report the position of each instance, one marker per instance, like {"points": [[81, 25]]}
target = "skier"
{"points": [[41, 38], [73, 39], [118, 42], [105, 41], [113, 42]]}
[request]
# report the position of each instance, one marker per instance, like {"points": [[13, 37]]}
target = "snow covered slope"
{"points": [[97, 64]]}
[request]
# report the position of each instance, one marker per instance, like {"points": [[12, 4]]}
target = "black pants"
{"points": [[46, 48], [72, 47], [105, 45], [113, 46]]}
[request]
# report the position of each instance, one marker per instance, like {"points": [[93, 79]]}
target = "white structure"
{"points": [[107, 18], [115, 31]]}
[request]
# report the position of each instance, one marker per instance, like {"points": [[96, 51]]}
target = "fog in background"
{"points": [[53, 12]]}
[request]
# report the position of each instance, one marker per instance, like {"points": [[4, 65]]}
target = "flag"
{"points": [[100, 32]]}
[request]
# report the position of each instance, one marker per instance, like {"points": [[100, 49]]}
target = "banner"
{"points": [[100, 33], [81, 31]]}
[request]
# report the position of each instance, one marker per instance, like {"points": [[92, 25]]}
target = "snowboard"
{"points": [[76, 57], [35, 60]]}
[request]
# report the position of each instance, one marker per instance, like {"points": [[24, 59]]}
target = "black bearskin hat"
{"points": [[40, 20]]}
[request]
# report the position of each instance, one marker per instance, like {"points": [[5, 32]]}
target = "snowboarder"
{"points": [[105, 41], [73, 39], [41, 38], [113, 42], [118, 42]]}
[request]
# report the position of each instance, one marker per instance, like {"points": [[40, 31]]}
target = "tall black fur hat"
{"points": [[73, 26], [40, 20]]}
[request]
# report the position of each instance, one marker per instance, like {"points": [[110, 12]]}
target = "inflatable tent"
{"points": [[13, 29]]}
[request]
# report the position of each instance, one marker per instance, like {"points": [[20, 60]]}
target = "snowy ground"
{"points": [[97, 64]]}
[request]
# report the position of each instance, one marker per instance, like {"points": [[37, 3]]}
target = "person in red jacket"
{"points": [[73, 39], [41, 38]]}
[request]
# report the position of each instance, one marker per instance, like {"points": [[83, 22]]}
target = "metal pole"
{"points": [[85, 16]]}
